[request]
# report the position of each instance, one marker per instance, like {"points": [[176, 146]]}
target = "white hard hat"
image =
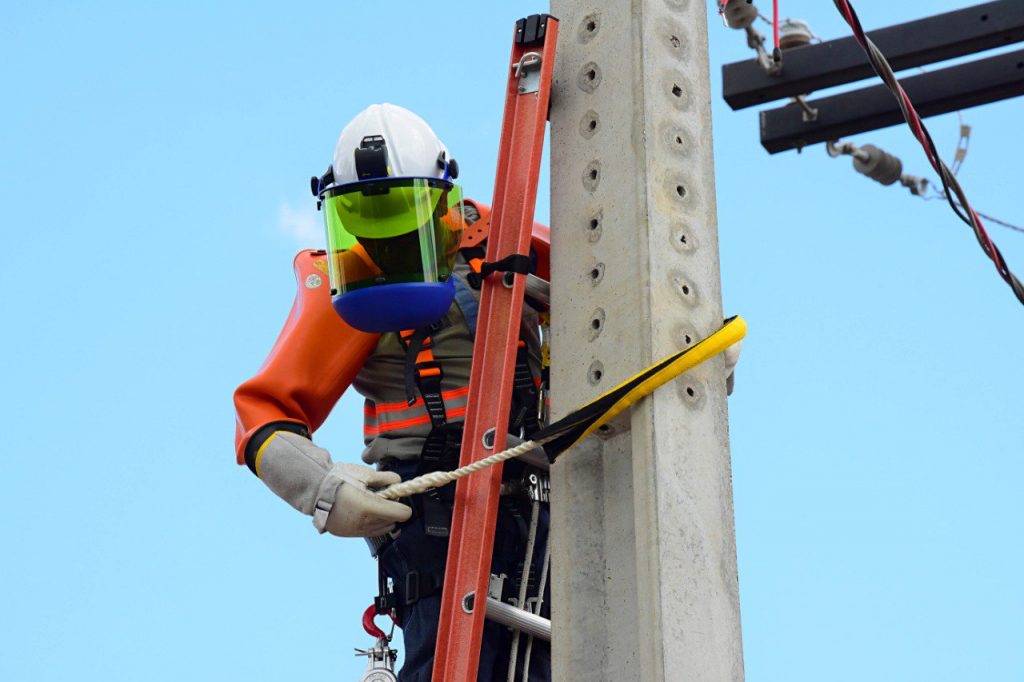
{"points": [[390, 191], [411, 149]]}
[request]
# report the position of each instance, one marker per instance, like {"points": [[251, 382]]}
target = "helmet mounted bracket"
{"points": [[318, 184], [372, 158], [448, 165]]}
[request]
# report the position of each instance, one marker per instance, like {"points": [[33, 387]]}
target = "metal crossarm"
{"points": [[527, 95], [838, 62], [937, 92]]}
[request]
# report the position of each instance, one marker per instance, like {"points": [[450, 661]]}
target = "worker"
{"points": [[395, 320]]}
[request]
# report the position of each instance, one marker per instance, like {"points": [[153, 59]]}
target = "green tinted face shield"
{"points": [[409, 228]]}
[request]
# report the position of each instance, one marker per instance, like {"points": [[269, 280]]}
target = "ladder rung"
{"points": [[515, 618]]}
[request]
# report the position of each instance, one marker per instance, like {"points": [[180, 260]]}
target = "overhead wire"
{"points": [[992, 219], [950, 185]]}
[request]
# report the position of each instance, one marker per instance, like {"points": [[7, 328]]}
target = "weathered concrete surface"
{"points": [[644, 556]]}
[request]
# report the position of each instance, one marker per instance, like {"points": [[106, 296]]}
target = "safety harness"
{"points": [[423, 376]]}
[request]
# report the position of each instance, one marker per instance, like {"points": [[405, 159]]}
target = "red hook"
{"points": [[371, 627]]}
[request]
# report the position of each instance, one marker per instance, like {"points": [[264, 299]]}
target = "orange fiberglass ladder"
{"points": [[468, 571]]}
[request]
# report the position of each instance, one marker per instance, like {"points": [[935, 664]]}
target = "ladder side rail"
{"points": [[460, 633]]}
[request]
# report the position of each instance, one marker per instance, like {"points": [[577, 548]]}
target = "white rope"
{"points": [[436, 479]]}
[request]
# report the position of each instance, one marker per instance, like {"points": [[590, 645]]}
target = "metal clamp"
{"points": [[527, 70], [810, 114], [380, 664], [539, 488]]}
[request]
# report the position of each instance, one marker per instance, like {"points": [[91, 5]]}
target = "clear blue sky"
{"points": [[154, 164]]}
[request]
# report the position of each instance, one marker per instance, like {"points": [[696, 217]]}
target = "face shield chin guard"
{"points": [[391, 246]]}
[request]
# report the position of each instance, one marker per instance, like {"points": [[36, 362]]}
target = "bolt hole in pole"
{"points": [[589, 77], [593, 227], [681, 191], [589, 27], [690, 392], [596, 372], [677, 91], [591, 177], [596, 323], [589, 124]]}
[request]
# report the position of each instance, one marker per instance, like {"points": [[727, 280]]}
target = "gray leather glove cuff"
{"points": [[295, 469]]}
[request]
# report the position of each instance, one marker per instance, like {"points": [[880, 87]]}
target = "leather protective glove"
{"points": [[337, 496], [356, 511]]}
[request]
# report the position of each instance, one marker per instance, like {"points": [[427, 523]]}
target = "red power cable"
{"points": [[775, 22]]}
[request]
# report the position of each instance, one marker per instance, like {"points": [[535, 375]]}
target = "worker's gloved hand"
{"points": [[732, 357], [356, 511], [335, 495]]}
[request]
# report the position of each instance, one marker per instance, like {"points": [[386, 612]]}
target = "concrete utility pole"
{"points": [[644, 550]]}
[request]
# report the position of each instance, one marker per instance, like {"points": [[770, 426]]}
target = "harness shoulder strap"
{"points": [[422, 371], [440, 447], [468, 304]]}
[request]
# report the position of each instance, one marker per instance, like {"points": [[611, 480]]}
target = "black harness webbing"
{"points": [[441, 446]]}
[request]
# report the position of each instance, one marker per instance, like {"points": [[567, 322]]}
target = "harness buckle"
{"points": [[412, 587]]}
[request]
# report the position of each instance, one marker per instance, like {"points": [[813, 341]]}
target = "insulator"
{"points": [[794, 33], [880, 166], [740, 14]]}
